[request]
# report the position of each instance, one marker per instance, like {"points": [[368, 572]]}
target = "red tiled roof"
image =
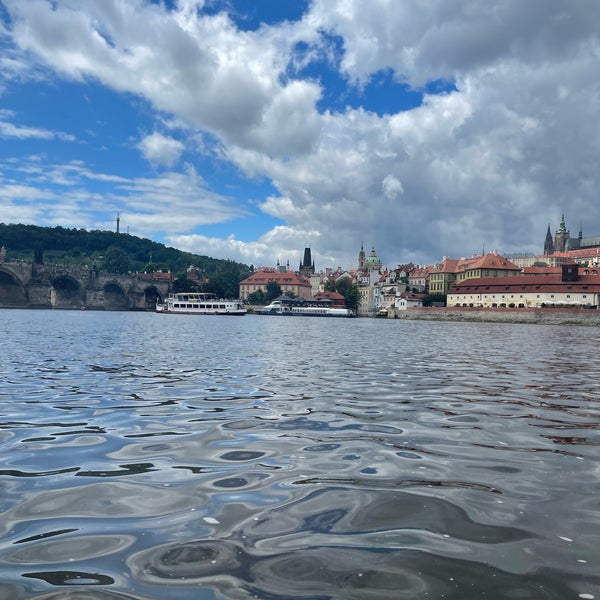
{"points": [[528, 283], [492, 261], [331, 295], [489, 261], [156, 275], [419, 273], [542, 271], [449, 265], [286, 278], [336, 298], [580, 252]]}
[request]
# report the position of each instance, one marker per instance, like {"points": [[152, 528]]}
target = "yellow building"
{"points": [[452, 271]]}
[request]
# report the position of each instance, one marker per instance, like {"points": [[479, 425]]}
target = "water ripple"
{"points": [[147, 458]]}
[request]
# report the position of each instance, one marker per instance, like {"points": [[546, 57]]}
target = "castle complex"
{"points": [[563, 242]]}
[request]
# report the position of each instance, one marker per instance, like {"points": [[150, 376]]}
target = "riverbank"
{"points": [[547, 316]]}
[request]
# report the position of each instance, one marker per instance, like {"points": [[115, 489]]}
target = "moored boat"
{"points": [[299, 307], [196, 303]]}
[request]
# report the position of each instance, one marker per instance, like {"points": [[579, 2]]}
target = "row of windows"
{"points": [[520, 296], [184, 305]]}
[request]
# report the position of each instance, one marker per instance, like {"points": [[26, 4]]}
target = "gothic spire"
{"points": [[563, 227], [548, 243]]}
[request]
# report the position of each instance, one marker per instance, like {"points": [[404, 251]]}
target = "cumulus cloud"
{"points": [[159, 149], [446, 40], [200, 68], [511, 143], [284, 243], [392, 187]]}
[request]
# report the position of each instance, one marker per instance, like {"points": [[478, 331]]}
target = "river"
{"points": [[148, 457]]}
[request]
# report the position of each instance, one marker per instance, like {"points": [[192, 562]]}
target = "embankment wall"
{"points": [[548, 316]]}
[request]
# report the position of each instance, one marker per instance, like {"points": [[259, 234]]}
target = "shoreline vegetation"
{"points": [[542, 316]]}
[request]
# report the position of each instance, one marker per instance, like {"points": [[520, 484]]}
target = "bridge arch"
{"points": [[115, 297], [12, 292], [152, 295], [66, 293]]}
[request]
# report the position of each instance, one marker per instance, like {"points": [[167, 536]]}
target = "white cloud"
{"points": [[392, 187], [9, 129], [159, 149], [62, 194], [200, 68], [513, 144], [284, 243], [424, 41]]}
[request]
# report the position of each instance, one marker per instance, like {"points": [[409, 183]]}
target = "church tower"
{"points": [[373, 261], [561, 238], [307, 266], [548, 243], [361, 257]]}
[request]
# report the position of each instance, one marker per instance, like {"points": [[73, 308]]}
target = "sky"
{"points": [[251, 129]]}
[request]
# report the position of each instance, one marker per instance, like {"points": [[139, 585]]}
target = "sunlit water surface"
{"points": [[153, 456]]}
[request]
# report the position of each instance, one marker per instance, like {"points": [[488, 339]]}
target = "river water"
{"points": [[150, 456]]}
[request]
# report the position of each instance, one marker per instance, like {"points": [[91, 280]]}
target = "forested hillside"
{"points": [[119, 253]]}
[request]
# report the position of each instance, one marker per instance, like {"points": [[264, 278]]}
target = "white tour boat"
{"points": [[195, 303], [298, 307]]}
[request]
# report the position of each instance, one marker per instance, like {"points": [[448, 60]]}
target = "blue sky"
{"points": [[249, 130]]}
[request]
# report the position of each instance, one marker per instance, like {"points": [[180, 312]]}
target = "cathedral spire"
{"points": [[548, 243], [563, 227], [562, 237]]}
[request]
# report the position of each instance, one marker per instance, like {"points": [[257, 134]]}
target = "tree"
{"points": [[224, 282], [273, 291], [78, 246], [257, 297], [116, 260], [183, 284], [349, 290], [438, 299], [329, 285]]}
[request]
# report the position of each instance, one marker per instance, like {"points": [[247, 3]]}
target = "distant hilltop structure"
{"points": [[563, 242]]}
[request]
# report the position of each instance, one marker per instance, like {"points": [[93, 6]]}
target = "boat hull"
{"points": [[201, 312]]}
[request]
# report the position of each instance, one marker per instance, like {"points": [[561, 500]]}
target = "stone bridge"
{"points": [[30, 285]]}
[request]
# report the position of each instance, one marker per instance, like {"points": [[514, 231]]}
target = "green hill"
{"points": [[119, 253]]}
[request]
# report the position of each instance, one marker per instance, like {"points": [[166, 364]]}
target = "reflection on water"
{"points": [[149, 456]]}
